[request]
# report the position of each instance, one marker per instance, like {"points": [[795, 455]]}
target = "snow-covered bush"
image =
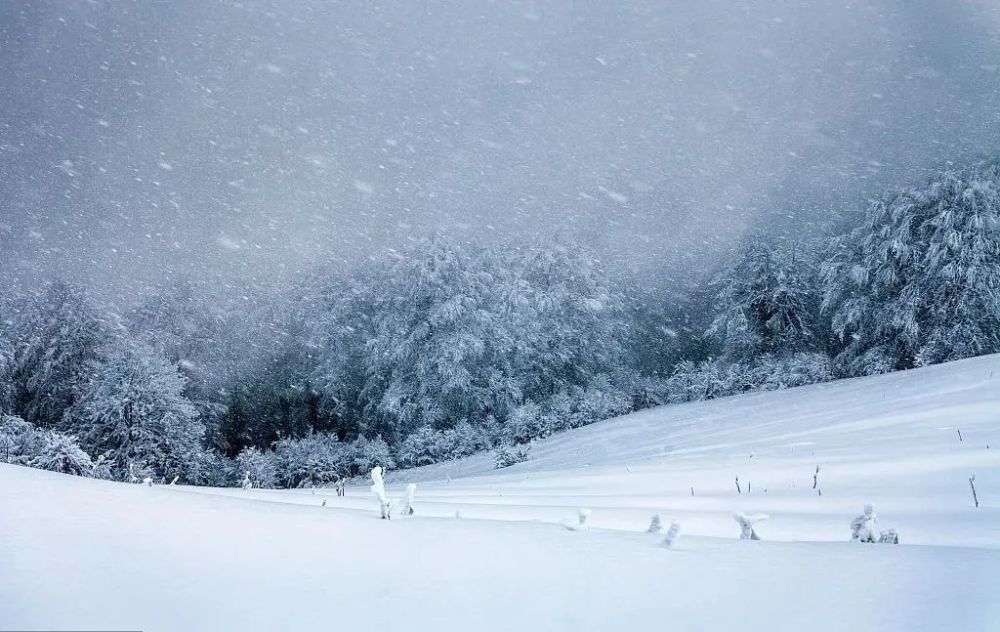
{"points": [[863, 526], [368, 453], [314, 460], [427, 446], [746, 523], [23, 444], [506, 455], [525, 423], [17, 439], [719, 378], [257, 466], [58, 452]]}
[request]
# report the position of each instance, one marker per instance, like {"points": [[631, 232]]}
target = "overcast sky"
{"points": [[238, 141]]}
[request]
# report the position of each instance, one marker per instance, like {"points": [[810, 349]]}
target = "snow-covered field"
{"points": [[84, 554]]}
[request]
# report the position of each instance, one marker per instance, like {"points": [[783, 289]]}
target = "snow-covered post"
{"points": [[863, 526], [408, 507], [655, 525], [672, 533], [972, 484], [746, 525], [378, 488]]}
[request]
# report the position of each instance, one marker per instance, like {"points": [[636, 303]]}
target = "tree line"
{"points": [[449, 348]]}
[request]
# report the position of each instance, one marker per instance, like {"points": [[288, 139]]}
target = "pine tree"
{"points": [[917, 282], [135, 411], [767, 303], [58, 343]]}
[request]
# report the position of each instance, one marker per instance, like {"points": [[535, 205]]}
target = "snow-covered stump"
{"points": [[746, 524], [378, 489], [408, 507], [863, 526], [672, 534], [655, 525]]}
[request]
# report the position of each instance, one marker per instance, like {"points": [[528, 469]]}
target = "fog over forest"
{"points": [[238, 143]]}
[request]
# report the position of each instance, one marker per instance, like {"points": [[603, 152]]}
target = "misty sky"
{"points": [[233, 142]]}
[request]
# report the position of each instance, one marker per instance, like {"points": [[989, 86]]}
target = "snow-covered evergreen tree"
{"points": [[58, 343], [768, 303], [918, 281], [136, 412]]}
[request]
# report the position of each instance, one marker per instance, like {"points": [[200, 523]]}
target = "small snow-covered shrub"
{"points": [[212, 469], [58, 452], [16, 439], [23, 444], [863, 526], [427, 446], [314, 460], [525, 423], [800, 369], [710, 379], [367, 453], [746, 524], [506, 455], [602, 399], [257, 466]]}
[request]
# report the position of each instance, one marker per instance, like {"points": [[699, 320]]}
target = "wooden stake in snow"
{"points": [[972, 484], [959, 434], [816, 477], [738, 490]]}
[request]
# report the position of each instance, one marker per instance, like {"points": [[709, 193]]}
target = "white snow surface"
{"points": [[83, 554]]}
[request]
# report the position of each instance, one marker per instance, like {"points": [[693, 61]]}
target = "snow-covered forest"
{"points": [[446, 348]]}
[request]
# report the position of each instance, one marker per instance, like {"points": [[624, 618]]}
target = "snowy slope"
{"points": [[78, 553]]}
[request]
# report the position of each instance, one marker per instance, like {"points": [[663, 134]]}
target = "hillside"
{"points": [[80, 553]]}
